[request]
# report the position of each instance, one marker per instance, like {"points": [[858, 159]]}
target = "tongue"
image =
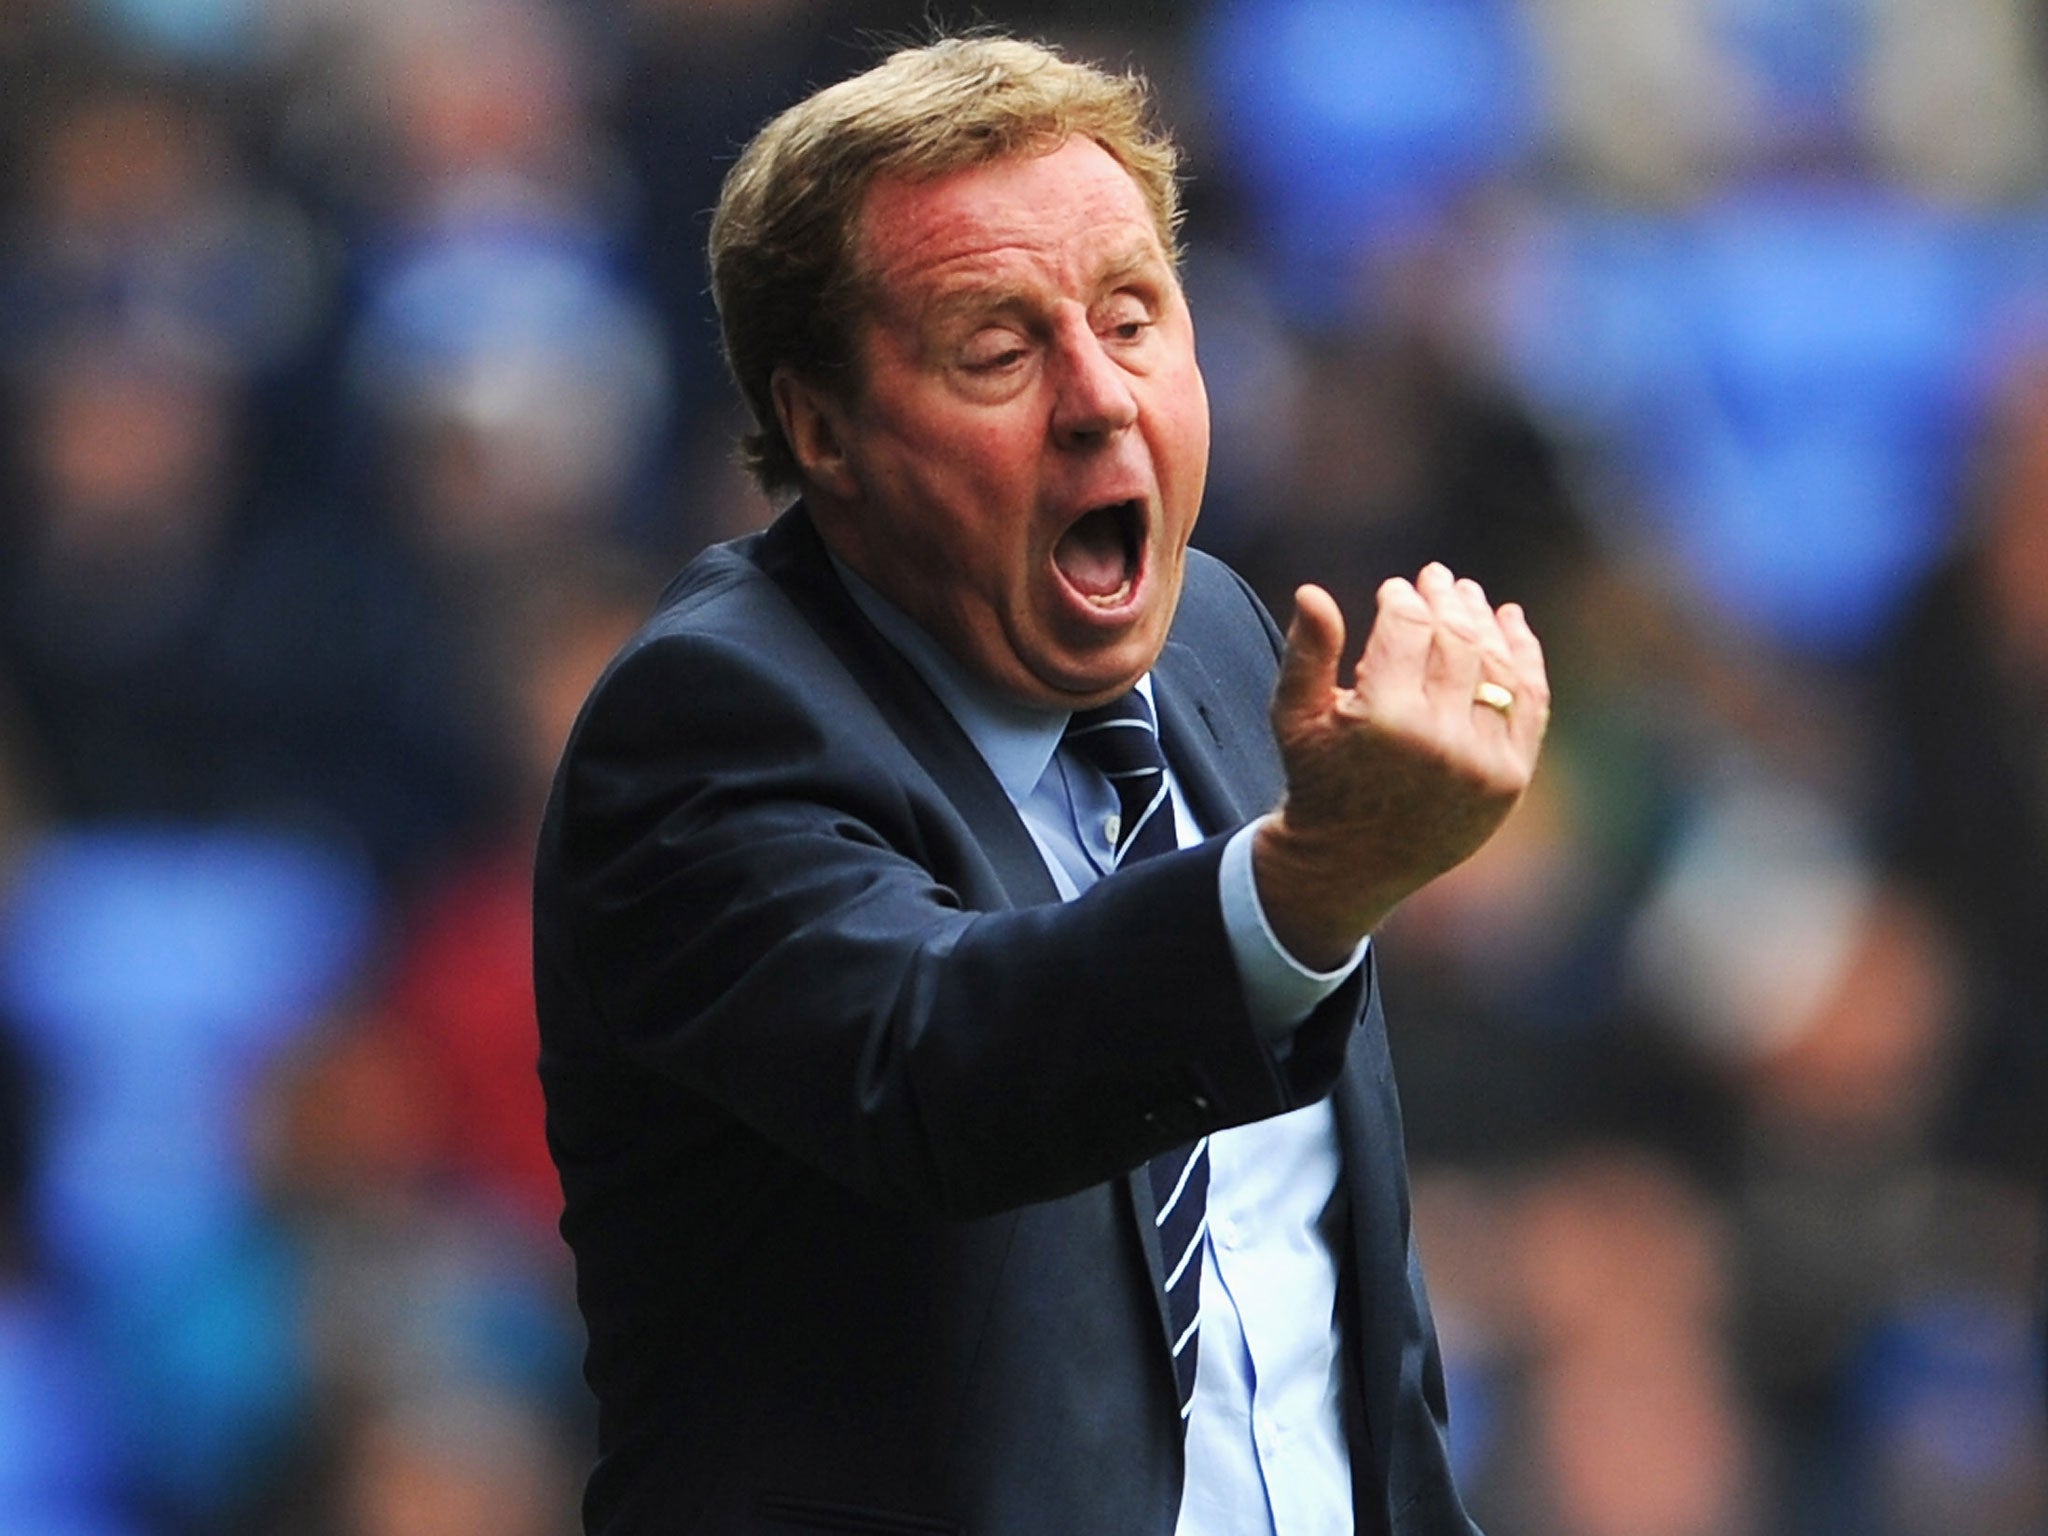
{"points": [[1091, 555]]}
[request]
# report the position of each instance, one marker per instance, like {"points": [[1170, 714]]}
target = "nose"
{"points": [[1093, 401]]}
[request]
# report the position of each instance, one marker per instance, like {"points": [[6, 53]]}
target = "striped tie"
{"points": [[1121, 741]]}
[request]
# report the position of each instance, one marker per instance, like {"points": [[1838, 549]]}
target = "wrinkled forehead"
{"points": [[1071, 218]]}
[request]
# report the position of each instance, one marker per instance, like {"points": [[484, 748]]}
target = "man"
{"points": [[890, 1081]]}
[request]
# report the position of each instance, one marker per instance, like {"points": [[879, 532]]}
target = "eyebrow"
{"points": [[1134, 261], [976, 297]]}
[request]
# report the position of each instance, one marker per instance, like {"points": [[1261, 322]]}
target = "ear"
{"points": [[814, 422]]}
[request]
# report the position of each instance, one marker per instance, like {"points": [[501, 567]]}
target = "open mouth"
{"points": [[1102, 552]]}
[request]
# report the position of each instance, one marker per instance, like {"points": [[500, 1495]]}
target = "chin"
{"points": [[1085, 686]]}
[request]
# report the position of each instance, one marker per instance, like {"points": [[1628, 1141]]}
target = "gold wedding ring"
{"points": [[1493, 696]]}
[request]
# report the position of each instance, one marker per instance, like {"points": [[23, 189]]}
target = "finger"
{"points": [[1531, 685], [1495, 684], [1495, 659], [1453, 669], [1308, 666], [1397, 650]]}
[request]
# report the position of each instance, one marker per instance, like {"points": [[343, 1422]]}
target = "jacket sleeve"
{"points": [[761, 896]]}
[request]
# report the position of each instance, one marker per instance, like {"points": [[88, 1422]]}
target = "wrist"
{"points": [[1314, 902]]}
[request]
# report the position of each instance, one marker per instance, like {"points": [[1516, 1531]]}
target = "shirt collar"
{"points": [[1015, 739]]}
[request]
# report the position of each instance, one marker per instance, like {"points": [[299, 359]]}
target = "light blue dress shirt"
{"points": [[1266, 1454]]}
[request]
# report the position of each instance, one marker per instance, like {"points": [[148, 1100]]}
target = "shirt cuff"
{"points": [[1279, 991]]}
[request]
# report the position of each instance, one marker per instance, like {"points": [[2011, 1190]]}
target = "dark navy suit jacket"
{"points": [[846, 1102]]}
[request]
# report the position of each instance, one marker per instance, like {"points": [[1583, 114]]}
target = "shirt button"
{"points": [[1112, 827], [1226, 1232]]}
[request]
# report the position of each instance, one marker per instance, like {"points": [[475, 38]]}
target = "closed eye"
{"points": [[994, 348], [995, 362], [1125, 317]]}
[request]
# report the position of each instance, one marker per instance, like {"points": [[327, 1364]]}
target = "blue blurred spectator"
{"points": [[1654, 105], [459, 983], [1354, 125], [59, 1472], [141, 217], [177, 649], [1947, 1413], [422, 1309], [1785, 379], [500, 339], [1963, 694], [155, 973]]}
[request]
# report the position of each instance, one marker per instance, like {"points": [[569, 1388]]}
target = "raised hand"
{"points": [[1406, 772]]}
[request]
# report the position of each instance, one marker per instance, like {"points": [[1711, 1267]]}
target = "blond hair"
{"points": [[784, 264]]}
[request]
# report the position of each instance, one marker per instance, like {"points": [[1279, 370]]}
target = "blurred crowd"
{"points": [[359, 390]]}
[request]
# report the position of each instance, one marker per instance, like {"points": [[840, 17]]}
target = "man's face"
{"points": [[1021, 460]]}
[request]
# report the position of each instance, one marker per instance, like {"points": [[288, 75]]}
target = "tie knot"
{"points": [[1117, 738]]}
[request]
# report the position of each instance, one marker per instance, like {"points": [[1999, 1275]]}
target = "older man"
{"points": [[970, 1121]]}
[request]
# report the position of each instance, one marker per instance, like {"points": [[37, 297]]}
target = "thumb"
{"points": [[1308, 667]]}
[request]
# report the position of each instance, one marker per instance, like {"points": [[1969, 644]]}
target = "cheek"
{"points": [[1184, 462], [1197, 396], [1183, 408], [960, 531], [981, 491], [996, 458], [959, 457]]}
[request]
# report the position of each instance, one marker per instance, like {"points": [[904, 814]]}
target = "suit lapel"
{"points": [[794, 555], [1378, 1318], [1219, 772]]}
